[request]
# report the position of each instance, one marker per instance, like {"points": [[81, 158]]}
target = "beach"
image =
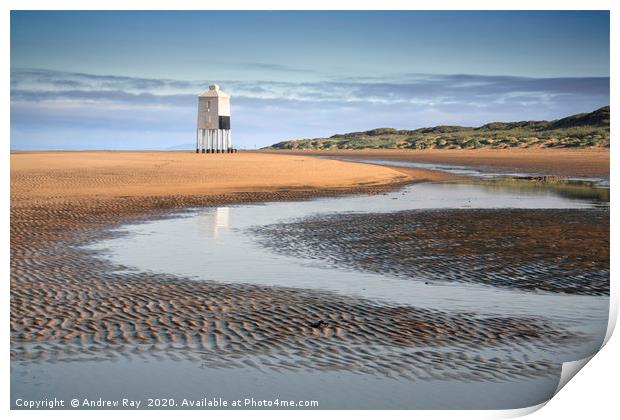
{"points": [[57, 176], [72, 304], [60, 200]]}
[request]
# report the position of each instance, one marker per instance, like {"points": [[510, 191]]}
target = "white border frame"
{"points": [[592, 393]]}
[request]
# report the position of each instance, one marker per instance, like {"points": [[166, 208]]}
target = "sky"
{"points": [[130, 80]]}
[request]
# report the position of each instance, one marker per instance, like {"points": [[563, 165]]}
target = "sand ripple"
{"points": [[68, 304], [551, 250]]}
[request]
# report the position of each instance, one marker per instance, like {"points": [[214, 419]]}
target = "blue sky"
{"points": [[129, 80]]}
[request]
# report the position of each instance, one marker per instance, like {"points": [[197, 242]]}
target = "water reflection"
{"points": [[572, 189], [212, 221]]}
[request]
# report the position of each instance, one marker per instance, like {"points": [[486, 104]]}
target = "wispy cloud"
{"points": [[27, 84], [41, 99]]}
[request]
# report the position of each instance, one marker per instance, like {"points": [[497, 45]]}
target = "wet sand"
{"points": [[69, 304], [592, 162], [553, 250]]}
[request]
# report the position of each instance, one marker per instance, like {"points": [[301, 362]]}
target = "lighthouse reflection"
{"points": [[213, 221]]}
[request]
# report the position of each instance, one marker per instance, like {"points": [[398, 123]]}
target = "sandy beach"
{"points": [[58, 176], [62, 295], [69, 304]]}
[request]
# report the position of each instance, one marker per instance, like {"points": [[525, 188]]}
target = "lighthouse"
{"points": [[213, 127]]}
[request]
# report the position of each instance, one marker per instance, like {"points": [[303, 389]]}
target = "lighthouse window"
{"points": [[224, 122]]}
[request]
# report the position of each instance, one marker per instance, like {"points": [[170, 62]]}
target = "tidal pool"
{"points": [[216, 245]]}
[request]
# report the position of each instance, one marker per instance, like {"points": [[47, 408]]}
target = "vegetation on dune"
{"points": [[581, 130]]}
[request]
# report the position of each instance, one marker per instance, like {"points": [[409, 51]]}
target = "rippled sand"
{"points": [[538, 249], [69, 304]]}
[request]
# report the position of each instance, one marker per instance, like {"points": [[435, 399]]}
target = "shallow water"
{"points": [[214, 244], [143, 379], [473, 172]]}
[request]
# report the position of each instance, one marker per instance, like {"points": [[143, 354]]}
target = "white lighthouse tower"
{"points": [[213, 128]]}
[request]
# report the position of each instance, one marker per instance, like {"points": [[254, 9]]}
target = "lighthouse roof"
{"points": [[214, 91]]}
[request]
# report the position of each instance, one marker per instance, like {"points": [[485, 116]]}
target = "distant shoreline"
{"points": [[594, 162]]}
